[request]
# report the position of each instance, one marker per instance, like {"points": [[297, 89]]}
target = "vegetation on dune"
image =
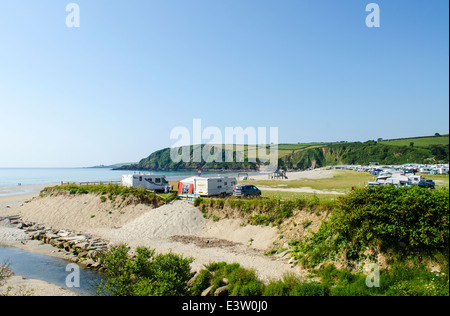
{"points": [[259, 211], [240, 281], [402, 223], [408, 226], [141, 195], [144, 273]]}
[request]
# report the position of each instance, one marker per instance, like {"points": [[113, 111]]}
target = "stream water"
{"points": [[49, 269]]}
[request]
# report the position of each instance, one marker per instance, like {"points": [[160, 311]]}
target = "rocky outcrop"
{"points": [[84, 248]]}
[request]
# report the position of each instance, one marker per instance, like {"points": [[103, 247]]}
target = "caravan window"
{"points": [[225, 183], [157, 180], [219, 180], [140, 178]]}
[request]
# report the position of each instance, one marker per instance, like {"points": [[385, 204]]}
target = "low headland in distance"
{"points": [[303, 156]]}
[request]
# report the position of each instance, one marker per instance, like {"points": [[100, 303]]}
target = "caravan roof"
{"points": [[192, 178]]}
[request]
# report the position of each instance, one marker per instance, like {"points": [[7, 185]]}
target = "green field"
{"points": [[341, 181], [441, 180], [283, 149], [419, 141]]}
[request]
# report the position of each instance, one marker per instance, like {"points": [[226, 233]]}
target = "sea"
{"points": [[17, 180]]}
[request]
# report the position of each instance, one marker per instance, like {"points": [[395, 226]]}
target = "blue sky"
{"points": [[113, 89]]}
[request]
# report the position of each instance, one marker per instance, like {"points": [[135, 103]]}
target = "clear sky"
{"points": [[114, 88]]}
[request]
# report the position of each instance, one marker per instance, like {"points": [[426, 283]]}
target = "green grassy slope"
{"points": [[307, 155], [418, 141]]}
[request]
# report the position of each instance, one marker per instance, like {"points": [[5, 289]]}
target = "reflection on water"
{"points": [[49, 269]]}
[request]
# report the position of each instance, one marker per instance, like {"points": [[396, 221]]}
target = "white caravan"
{"points": [[148, 181], [207, 186]]}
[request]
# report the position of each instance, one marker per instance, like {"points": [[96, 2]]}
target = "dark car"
{"points": [[427, 184], [246, 190]]}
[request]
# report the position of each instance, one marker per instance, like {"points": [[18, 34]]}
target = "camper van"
{"points": [[148, 181], [207, 186]]}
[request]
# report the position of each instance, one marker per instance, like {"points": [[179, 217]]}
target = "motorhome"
{"points": [[151, 182], [402, 180], [207, 186]]}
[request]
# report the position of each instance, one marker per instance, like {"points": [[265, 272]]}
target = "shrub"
{"points": [[244, 282], [201, 283], [144, 274], [407, 221], [310, 289], [198, 201], [241, 281]]}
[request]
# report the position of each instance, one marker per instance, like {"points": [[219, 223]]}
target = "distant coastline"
{"points": [[117, 165], [132, 168]]}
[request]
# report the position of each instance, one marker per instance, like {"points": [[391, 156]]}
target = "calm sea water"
{"points": [[11, 177], [49, 269]]}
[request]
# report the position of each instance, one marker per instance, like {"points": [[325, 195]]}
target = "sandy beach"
{"points": [[12, 197], [178, 227], [16, 285]]}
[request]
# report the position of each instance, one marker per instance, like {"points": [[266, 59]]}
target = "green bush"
{"points": [[407, 221], [311, 289], [198, 201], [389, 215], [240, 281], [400, 280], [201, 283], [144, 274]]}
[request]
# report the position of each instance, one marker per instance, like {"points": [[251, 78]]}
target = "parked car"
{"points": [[246, 190], [427, 184]]}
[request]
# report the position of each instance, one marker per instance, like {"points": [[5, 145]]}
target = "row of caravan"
{"points": [[202, 186], [402, 180]]}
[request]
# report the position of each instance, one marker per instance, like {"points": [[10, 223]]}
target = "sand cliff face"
{"points": [[123, 222], [80, 212]]}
